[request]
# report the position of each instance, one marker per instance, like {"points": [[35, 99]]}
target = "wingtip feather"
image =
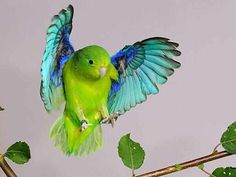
{"points": [[70, 8]]}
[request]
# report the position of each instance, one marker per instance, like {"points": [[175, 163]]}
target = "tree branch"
{"points": [[185, 165], [6, 168]]}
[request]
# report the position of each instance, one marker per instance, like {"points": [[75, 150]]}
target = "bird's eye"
{"points": [[90, 62]]}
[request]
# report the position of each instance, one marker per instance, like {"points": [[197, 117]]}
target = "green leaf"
{"points": [[130, 152], [1, 109], [18, 152], [228, 139], [224, 172]]}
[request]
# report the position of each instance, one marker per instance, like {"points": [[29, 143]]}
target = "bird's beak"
{"points": [[102, 71]]}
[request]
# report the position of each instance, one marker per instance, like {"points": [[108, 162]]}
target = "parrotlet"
{"points": [[95, 87]]}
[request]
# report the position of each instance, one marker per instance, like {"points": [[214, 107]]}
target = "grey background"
{"points": [[184, 121]]}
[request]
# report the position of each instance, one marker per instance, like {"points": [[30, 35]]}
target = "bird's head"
{"points": [[92, 62]]}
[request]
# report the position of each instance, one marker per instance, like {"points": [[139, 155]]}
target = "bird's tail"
{"points": [[69, 137]]}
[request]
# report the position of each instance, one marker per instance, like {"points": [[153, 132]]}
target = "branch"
{"points": [[185, 165], [6, 168]]}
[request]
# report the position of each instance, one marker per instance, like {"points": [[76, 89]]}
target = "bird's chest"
{"points": [[90, 96], [93, 93]]}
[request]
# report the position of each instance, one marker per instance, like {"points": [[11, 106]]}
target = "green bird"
{"points": [[95, 87]]}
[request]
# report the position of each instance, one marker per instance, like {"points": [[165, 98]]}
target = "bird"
{"points": [[95, 87]]}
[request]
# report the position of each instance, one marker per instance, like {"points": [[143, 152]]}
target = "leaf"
{"points": [[1, 108], [130, 152], [18, 152], [224, 172], [228, 139]]}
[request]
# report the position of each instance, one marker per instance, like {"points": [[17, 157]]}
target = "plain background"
{"points": [[184, 121]]}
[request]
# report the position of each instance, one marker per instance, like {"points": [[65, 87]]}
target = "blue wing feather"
{"points": [[57, 52], [141, 67]]}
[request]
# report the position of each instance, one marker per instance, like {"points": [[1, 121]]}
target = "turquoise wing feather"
{"points": [[141, 67], [57, 52]]}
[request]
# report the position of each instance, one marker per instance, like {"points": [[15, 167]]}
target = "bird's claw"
{"points": [[84, 125], [111, 119]]}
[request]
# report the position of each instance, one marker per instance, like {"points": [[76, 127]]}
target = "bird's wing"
{"points": [[57, 52], [141, 67]]}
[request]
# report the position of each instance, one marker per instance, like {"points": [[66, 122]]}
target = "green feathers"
{"points": [[71, 140], [87, 80], [94, 85]]}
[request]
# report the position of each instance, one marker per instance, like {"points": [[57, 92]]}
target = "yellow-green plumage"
{"points": [[89, 83], [86, 93]]}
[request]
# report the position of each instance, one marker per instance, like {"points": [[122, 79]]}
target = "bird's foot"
{"points": [[84, 125], [111, 119]]}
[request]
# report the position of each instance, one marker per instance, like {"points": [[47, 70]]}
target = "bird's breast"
{"points": [[88, 95]]}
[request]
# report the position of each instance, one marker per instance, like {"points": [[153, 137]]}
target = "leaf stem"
{"points": [[133, 174], [206, 172], [216, 147], [185, 165], [6, 168]]}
